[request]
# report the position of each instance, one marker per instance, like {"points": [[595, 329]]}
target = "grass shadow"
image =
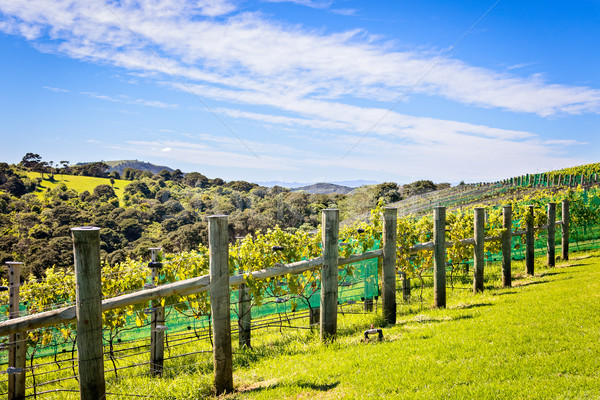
{"points": [[521, 284], [272, 384], [469, 306], [504, 293]]}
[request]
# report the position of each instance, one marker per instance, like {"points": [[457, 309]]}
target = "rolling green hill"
{"points": [[78, 183]]}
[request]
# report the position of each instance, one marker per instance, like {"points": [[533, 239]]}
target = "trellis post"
{"points": [[529, 241], [220, 303], [506, 245], [565, 230], [88, 288], [478, 260], [244, 315], [17, 350], [551, 257], [157, 323], [439, 256], [390, 216], [329, 274]]}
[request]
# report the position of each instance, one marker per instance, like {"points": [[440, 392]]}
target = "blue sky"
{"points": [[304, 90]]}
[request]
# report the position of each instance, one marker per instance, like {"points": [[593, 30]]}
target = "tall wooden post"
{"points": [[88, 287], [529, 241], [405, 287], [506, 246], [390, 216], [220, 303], [244, 315], [439, 256], [329, 274], [565, 230], [17, 350], [551, 234], [478, 260], [157, 324]]}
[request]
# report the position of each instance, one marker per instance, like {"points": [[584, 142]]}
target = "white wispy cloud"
{"points": [[308, 3], [128, 100], [302, 79], [55, 89], [251, 52]]}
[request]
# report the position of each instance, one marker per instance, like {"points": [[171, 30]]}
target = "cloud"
{"points": [[55, 90], [128, 100], [248, 51], [320, 4]]}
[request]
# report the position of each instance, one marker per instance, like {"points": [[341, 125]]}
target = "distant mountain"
{"points": [[120, 165], [292, 185], [324, 188]]}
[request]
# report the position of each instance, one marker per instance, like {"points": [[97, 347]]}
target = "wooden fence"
{"points": [[89, 304]]}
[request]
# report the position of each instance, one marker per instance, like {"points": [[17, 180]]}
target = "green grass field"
{"points": [[78, 183], [539, 339]]}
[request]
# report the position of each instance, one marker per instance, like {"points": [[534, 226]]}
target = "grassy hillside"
{"points": [[78, 183], [539, 339]]}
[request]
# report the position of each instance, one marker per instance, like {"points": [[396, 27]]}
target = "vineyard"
{"points": [[157, 317]]}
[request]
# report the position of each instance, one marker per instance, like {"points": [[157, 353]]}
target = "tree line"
{"points": [[167, 210]]}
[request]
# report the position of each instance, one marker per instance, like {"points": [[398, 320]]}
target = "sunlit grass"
{"points": [[538, 339], [78, 183]]}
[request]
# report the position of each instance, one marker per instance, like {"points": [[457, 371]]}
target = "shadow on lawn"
{"points": [[272, 384]]}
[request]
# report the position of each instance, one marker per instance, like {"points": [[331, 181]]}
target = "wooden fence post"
{"points": [[405, 287], [439, 256], [506, 246], [565, 230], [551, 234], [478, 261], [88, 287], [17, 350], [157, 325], [390, 216], [220, 302], [329, 274], [244, 315], [529, 241]]}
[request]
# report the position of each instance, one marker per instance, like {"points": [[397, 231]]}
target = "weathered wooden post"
{"points": [[220, 303], [390, 216], [405, 287], [157, 323], [506, 246], [329, 274], [244, 315], [17, 350], [529, 241], [439, 256], [551, 234], [565, 230], [478, 260], [88, 287]]}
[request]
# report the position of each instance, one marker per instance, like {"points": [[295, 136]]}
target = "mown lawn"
{"points": [[539, 339], [78, 183]]}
